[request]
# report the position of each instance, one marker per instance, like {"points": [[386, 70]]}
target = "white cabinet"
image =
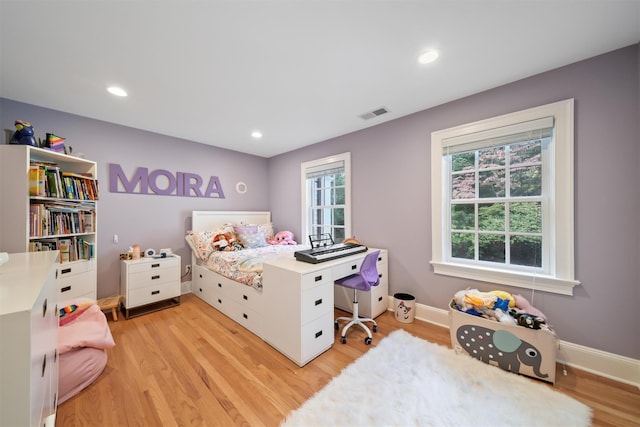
{"points": [[149, 281], [372, 303], [49, 201], [29, 337]]}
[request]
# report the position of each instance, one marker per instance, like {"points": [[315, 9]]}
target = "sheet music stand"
{"points": [[320, 240]]}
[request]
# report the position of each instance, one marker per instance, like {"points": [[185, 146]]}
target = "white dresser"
{"points": [[29, 337], [147, 282]]}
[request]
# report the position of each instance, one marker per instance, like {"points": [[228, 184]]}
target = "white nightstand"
{"points": [[149, 284]]}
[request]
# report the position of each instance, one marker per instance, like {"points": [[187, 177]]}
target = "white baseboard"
{"points": [[609, 365], [185, 287]]}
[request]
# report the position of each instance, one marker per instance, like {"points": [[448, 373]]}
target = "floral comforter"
{"points": [[245, 266]]}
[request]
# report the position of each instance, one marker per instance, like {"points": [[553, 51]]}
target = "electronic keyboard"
{"points": [[327, 253]]}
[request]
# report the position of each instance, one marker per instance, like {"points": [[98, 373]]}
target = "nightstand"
{"points": [[149, 284]]}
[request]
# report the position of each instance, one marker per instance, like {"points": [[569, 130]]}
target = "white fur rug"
{"points": [[407, 381]]}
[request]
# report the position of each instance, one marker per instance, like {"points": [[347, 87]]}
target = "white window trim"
{"points": [[561, 279], [313, 164]]}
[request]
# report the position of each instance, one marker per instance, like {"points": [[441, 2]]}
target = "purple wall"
{"points": [[152, 221], [392, 193]]}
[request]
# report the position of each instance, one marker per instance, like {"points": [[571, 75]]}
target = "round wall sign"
{"points": [[241, 187]]}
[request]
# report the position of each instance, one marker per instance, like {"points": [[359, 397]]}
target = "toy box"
{"points": [[513, 348]]}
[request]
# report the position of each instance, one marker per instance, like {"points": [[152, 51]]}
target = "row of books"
{"points": [[55, 219], [47, 180], [71, 249]]}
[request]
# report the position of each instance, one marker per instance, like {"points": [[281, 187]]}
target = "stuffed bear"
{"points": [[222, 242], [23, 134], [282, 238]]}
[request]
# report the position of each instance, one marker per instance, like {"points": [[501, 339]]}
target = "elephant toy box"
{"points": [[514, 348]]}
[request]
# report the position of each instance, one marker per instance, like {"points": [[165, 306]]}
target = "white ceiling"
{"points": [[300, 71]]}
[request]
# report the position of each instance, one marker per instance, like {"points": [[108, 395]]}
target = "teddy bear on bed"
{"points": [[282, 238]]}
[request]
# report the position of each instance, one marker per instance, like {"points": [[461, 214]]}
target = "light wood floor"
{"points": [[191, 365]]}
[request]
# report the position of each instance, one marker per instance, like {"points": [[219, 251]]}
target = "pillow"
{"points": [[267, 230], [252, 240], [201, 242], [238, 229]]}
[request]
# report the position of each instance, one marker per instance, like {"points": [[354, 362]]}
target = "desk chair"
{"points": [[361, 281]]}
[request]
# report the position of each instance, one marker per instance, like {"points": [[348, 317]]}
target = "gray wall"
{"points": [[150, 220], [392, 193]]}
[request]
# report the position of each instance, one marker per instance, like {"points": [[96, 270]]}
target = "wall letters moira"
{"points": [[163, 183]]}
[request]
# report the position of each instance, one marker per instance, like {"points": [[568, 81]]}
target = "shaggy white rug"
{"points": [[407, 381]]}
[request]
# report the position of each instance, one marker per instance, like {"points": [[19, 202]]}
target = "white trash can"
{"points": [[405, 307]]}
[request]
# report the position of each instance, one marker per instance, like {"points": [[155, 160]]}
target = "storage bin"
{"points": [[404, 305], [530, 352]]}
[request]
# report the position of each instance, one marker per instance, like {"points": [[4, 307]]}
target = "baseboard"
{"points": [[609, 365], [185, 287]]}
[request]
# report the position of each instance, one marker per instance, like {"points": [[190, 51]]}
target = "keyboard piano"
{"points": [[326, 253]]}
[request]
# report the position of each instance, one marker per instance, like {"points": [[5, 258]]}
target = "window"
{"points": [[326, 196], [502, 199]]}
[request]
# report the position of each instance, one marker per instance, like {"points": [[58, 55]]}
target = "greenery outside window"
{"points": [[502, 199], [326, 196]]}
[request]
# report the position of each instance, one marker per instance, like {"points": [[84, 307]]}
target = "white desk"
{"points": [[300, 298]]}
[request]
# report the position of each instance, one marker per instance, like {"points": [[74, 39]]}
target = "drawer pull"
{"points": [[379, 258], [155, 265], [44, 365], [353, 267], [219, 301], [245, 315], [318, 278], [219, 285], [65, 289], [319, 301], [380, 275], [200, 275], [157, 276], [379, 299], [66, 270], [318, 334], [44, 307], [200, 289], [244, 297], [155, 292]]}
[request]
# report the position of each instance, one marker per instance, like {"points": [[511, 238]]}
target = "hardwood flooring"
{"points": [[192, 366]]}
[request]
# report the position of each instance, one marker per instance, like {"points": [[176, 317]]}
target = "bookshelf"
{"points": [[49, 201]]}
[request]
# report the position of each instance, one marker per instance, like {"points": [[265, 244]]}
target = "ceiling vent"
{"points": [[375, 113]]}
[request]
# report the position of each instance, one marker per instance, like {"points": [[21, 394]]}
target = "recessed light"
{"points": [[117, 91], [428, 56], [256, 134]]}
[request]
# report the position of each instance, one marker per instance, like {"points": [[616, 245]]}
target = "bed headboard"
{"points": [[209, 220]]}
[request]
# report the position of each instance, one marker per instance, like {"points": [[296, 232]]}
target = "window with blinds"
{"points": [[325, 198], [502, 199]]}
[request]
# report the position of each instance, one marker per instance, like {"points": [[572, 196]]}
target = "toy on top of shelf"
{"points": [[23, 134]]}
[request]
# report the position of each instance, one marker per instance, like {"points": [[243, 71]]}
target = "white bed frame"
{"points": [[294, 310]]}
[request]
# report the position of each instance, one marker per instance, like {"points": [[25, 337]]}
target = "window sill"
{"points": [[520, 280]]}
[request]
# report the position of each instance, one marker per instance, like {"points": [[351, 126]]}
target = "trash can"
{"points": [[404, 305]]}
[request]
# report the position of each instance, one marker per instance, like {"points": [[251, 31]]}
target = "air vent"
{"points": [[375, 113]]}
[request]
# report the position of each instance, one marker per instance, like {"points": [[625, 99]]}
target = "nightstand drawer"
{"points": [[152, 294], [146, 278], [148, 265]]}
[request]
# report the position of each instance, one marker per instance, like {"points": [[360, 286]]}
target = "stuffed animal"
{"points": [[528, 320], [523, 306], [222, 242], [23, 134], [282, 238], [505, 296]]}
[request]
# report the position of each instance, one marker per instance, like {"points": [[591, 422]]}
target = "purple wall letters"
{"points": [[164, 183]]}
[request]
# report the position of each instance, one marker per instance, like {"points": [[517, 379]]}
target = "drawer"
{"points": [[347, 269], [70, 269], [148, 295], [317, 278], [244, 295], [317, 336], [154, 264], [78, 284], [148, 277], [317, 302]]}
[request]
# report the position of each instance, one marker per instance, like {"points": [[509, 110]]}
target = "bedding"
{"points": [[245, 266]]}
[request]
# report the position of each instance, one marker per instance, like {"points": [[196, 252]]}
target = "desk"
{"points": [[300, 323]]}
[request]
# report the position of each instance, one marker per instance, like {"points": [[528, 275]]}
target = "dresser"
{"points": [[29, 337], [300, 298], [149, 284]]}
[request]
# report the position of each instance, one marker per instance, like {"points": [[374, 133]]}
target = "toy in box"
{"points": [[514, 348]]}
